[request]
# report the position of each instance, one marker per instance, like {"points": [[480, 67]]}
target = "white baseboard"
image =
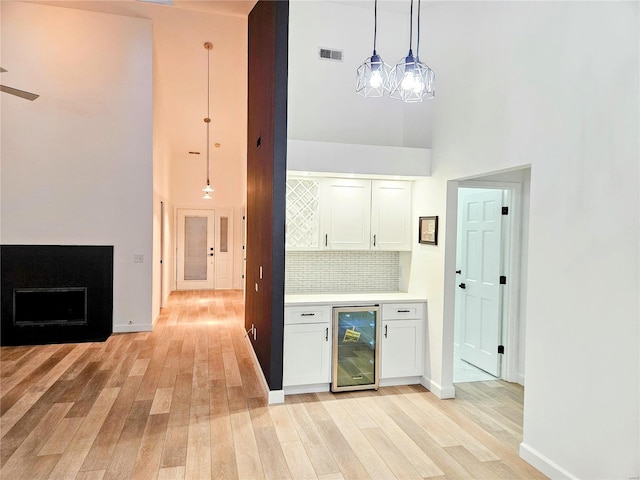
{"points": [[437, 389], [392, 382], [133, 328], [313, 388], [273, 396], [542, 463]]}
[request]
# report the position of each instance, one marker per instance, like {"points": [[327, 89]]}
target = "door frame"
{"points": [[511, 253]]}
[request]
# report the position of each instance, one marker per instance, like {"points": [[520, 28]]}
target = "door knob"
{"points": [[462, 285]]}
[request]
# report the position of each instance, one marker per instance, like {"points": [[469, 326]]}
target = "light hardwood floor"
{"points": [[185, 402]]}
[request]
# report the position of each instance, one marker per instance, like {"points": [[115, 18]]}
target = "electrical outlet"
{"points": [[138, 258]]}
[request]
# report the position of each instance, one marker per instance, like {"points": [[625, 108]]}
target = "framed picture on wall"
{"points": [[428, 230]]}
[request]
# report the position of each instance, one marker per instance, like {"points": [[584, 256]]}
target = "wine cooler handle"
{"points": [[326, 334], [385, 330]]}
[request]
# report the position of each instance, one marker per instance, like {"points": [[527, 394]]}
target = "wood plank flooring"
{"points": [[185, 402]]}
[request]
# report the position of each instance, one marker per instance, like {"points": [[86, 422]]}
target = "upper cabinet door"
{"points": [[391, 215], [346, 217], [303, 214]]}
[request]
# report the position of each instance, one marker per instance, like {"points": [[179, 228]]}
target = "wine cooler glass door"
{"points": [[355, 348]]}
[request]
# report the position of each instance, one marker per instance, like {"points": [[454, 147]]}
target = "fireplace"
{"points": [[55, 294]]}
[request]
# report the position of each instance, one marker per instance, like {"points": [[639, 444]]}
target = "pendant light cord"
{"points": [[375, 25], [418, 41], [411, 28], [208, 119]]}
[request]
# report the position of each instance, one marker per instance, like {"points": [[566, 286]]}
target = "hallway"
{"points": [[185, 401]]}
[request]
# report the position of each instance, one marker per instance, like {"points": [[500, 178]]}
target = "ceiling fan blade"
{"points": [[2, 70], [18, 93]]}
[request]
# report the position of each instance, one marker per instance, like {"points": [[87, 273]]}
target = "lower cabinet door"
{"points": [[401, 348], [307, 354]]}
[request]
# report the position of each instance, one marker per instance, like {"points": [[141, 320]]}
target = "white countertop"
{"points": [[351, 298]]}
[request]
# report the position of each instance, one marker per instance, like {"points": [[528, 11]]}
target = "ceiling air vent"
{"points": [[328, 54]]}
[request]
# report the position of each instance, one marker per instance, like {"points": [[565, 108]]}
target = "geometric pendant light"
{"points": [[208, 189], [411, 80], [372, 77], [426, 75]]}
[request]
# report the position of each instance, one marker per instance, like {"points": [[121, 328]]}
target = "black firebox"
{"points": [[55, 294]]}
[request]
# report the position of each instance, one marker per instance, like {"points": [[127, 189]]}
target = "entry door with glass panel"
{"points": [[196, 250]]}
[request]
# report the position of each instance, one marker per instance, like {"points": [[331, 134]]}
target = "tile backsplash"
{"points": [[342, 272]]}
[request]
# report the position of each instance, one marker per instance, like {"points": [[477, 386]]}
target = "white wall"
{"points": [[553, 85], [76, 163], [322, 103]]}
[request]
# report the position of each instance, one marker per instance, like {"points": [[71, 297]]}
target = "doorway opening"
{"points": [[490, 268]]}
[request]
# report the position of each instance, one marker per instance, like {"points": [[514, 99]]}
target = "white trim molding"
{"points": [[392, 382], [273, 396], [441, 392], [544, 464], [313, 388], [133, 328]]}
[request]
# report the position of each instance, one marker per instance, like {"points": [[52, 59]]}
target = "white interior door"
{"points": [[479, 280], [196, 250], [224, 249]]}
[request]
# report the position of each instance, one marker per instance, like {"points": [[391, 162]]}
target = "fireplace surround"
{"points": [[55, 294]]}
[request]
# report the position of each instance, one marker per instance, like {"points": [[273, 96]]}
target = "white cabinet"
{"points": [[390, 215], [307, 346], [346, 214], [402, 343]]}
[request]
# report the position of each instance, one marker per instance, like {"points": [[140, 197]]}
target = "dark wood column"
{"points": [[266, 177]]}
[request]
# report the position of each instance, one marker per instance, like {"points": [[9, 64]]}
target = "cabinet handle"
{"points": [[326, 239], [374, 240], [326, 334], [385, 330], [404, 311], [307, 314]]}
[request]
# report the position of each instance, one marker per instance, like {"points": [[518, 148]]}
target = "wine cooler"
{"points": [[356, 356]]}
